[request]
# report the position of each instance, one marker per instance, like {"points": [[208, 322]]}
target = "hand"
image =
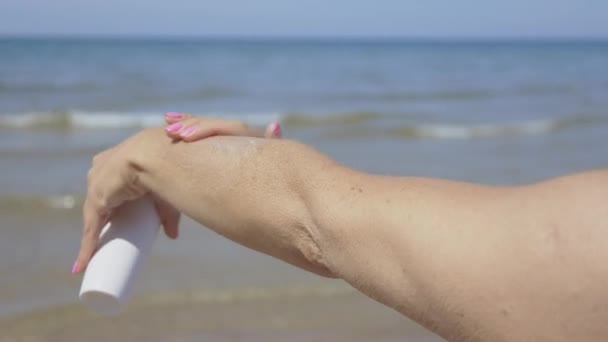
{"points": [[182, 126], [112, 181]]}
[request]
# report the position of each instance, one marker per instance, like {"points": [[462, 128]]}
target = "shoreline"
{"points": [[333, 315]]}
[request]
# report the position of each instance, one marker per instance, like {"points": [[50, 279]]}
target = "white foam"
{"points": [[113, 119], [447, 131]]}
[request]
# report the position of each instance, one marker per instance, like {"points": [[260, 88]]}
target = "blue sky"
{"points": [[309, 18]]}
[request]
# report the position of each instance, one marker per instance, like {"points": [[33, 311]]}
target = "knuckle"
{"points": [[193, 122], [97, 158], [97, 205], [102, 203], [90, 176]]}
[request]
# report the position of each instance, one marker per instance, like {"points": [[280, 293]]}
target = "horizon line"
{"points": [[304, 38]]}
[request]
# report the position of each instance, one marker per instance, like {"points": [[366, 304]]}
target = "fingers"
{"points": [[197, 128], [273, 130], [190, 128], [202, 129], [172, 117], [169, 217], [93, 222]]}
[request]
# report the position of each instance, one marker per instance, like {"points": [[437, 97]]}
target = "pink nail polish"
{"points": [[75, 267], [174, 115], [186, 132], [277, 132], [174, 127]]}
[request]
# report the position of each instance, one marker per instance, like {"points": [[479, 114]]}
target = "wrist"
{"points": [[144, 150]]}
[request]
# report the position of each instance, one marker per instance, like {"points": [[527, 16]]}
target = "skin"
{"points": [[469, 262]]}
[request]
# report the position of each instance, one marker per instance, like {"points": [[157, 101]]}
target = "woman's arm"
{"points": [[467, 261]]}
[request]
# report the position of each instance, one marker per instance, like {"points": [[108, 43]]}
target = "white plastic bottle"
{"points": [[108, 280]]}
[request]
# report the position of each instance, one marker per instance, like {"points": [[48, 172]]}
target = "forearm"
{"points": [[253, 191]]}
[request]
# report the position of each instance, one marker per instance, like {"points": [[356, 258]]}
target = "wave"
{"points": [[210, 307], [346, 124], [37, 87], [473, 131], [353, 124], [305, 120], [110, 119], [50, 87], [544, 89], [248, 294], [453, 95], [114, 119], [405, 96], [41, 202]]}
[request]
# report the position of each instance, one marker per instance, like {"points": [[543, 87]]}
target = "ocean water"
{"points": [[491, 112]]}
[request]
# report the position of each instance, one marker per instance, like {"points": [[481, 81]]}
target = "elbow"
{"points": [[313, 257], [314, 262], [307, 240]]}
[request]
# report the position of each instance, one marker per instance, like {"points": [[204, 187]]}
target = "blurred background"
{"points": [[486, 91]]}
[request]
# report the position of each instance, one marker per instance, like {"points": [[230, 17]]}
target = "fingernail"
{"points": [[186, 132], [276, 131], [174, 115], [75, 267], [174, 127]]}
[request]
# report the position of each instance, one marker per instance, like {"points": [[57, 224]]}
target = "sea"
{"points": [[492, 112]]}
